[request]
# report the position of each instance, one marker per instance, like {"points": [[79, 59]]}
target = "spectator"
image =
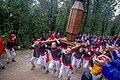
{"points": [[57, 35], [52, 37], [1, 51], [110, 68]]}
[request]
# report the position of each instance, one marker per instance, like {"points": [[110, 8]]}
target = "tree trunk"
{"points": [[102, 30], [86, 17], [21, 39], [33, 32], [106, 24], [53, 11]]}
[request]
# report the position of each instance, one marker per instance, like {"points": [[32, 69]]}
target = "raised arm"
{"points": [[75, 47], [58, 42]]}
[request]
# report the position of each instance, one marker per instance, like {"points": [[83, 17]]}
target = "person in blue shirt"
{"points": [[110, 68], [57, 35], [118, 41]]}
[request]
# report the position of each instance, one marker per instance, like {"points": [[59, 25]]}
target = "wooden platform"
{"points": [[64, 40], [48, 41]]}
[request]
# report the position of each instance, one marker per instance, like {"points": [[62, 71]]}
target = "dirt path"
{"points": [[20, 70]]}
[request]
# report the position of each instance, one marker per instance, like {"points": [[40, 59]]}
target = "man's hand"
{"points": [[33, 46], [19, 47], [13, 50], [106, 58], [66, 51], [101, 60], [57, 41]]}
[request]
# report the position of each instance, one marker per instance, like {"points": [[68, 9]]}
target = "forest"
{"points": [[32, 19]]}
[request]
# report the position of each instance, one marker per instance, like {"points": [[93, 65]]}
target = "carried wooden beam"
{"points": [[48, 41], [64, 40]]}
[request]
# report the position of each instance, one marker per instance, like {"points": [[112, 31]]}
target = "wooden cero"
{"points": [[75, 20], [73, 26]]}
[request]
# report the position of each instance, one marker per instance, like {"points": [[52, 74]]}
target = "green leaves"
{"points": [[34, 19]]}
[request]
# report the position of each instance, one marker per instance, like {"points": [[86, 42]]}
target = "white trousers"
{"points": [[64, 69], [32, 60], [10, 55], [85, 63], [55, 65], [96, 77], [1, 65], [42, 59], [49, 52], [76, 62]]}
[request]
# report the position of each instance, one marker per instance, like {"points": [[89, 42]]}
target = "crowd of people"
{"points": [[99, 54]]}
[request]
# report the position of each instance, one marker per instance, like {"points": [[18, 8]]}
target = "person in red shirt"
{"points": [[52, 36], [99, 43], [1, 51], [86, 58], [10, 48]]}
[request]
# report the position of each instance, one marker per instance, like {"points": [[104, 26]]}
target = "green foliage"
{"points": [[32, 19]]}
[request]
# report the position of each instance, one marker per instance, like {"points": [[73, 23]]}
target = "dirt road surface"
{"points": [[20, 70]]}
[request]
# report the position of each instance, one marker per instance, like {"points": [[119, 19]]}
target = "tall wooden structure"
{"points": [[75, 20], [74, 23]]}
